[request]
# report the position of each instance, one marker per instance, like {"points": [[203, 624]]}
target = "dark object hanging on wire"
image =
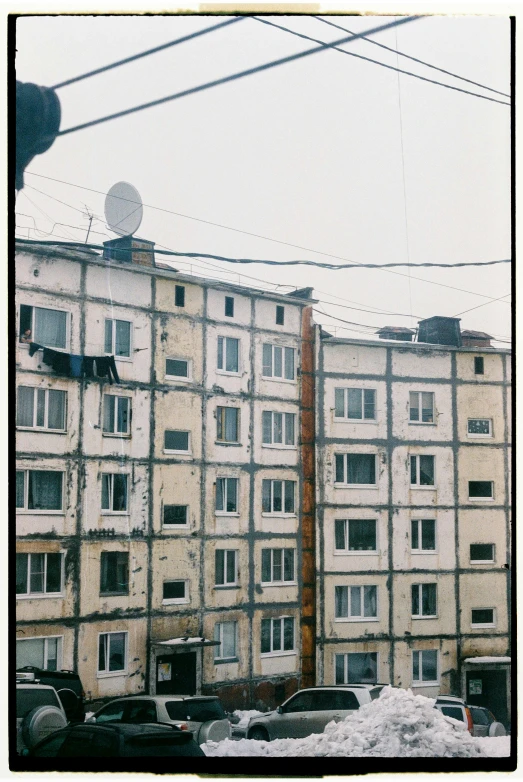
{"points": [[38, 115]]}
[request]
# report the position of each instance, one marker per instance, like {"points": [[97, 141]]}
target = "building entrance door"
{"points": [[489, 689], [176, 674]]}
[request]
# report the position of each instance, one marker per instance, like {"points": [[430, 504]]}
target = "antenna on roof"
{"points": [[123, 209]]}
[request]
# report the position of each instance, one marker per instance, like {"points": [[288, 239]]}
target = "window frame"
{"points": [[188, 452], [479, 361], [110, 512], [45, 639], [229, 305], [344, 484], [116, 555], [418, 486], [45, 428], [128, 358], [282, 513], [106, 673], [116, 404], [425, 682], [482, 561], [225, 584], [280, 378], [345, 656], [420, 549], [282, 581], [223, 358], [354, 552], [217, 656], [481, 499], [45, 594], [179, 378], [479, 625], [221, 425], [419, 421], [41, 512], [179, 293], [279, 652], [185, 600], [34, 337], [225, 512], [279, 446], [186, 525], [280, 315], [490, 433], [420, 586], [357, 617], [345, 417]]}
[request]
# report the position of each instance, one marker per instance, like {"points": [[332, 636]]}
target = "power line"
{"points": [[415, 59], [235, 76], [259, 236], [54, 199], [335, 45], [44, 213], [148, 52], [484, 304]]}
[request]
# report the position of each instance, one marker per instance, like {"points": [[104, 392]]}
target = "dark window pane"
{"points": [[277, 419], [45, 490], [355, 601], [265, 636], [40, 407], [478, 365], [21, 574], [267, 360], [220, 353], [427, 408], [289, 363], [276, 635], [176, 441], [369, 404], [179, 296], [277, 499], [414, 534], [36, 575], [288, 564], [428, 535], [480, 489], [20, 485], [479, 426], [289, 496], [288, 633], [361, 468], [116, 651], [482, 552], [426, 470], [413, 470], [219, 557], [266, 565], [277, 353], [122, 346], [119, 492], [26, 321], [232, 495], [340, 526], [341, 604], [173, 590], [231, 567], [231, 354], [340, 668], [56, 409], [354, 406], [122, 419], [370, 601], [362, 667], [340, 468], [25, 406], [280, 314], [428, 599], [277, 570], [267, 427], [482, 616], [415, 599], [109, 413], [289, 428], [176, 367], [54, 573], [362, 535], [220, 494], [108, 342], [429, 665], [266, 496], [229, 306], [339, 402], [415, 665]]}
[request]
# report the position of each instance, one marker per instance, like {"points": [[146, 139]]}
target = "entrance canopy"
{"points": [[184, 641]]}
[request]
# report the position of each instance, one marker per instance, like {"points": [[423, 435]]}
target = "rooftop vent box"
{"points": [[399, 333], [440, 331], [129, 249], [475, 339]]}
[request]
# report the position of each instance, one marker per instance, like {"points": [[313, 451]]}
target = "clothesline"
{"points": [[72, 365]]}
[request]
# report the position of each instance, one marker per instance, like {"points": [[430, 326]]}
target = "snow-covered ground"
{"points": [[244, 717], [397, 724]]}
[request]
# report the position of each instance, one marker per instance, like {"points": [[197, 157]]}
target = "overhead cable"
{"points": [[148, 52], [235, 76], [335, 45], [483, 304], [415, 59]]}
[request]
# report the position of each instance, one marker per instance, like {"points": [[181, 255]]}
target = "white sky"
{"points": [[308, 153]]}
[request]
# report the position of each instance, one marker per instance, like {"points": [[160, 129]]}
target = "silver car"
{"points": [[310, 710], [202, 715]]}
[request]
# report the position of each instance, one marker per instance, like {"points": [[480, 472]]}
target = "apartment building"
{"points": [[413, 512], [164, 499]]}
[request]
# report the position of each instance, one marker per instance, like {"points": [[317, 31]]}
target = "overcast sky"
{"points": [[329, 153]]}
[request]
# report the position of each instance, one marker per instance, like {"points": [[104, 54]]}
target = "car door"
{"points": [[323, 710], [346, 703], [480, 721], [294, 721]]}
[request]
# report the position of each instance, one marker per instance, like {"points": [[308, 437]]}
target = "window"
{"points": [[278, 496], [278, 362], [479, 367], [481, 490], [41, 408], [229, 306], [112, 652], [117, 414], [226, 495], [39, 490], [226, 633], [361, 667], [278, 428], [355, 535], [421, 407], [46, 327], [114, 492], [228, 354], [357, 404], [179, 296], [175, 592], [43, 653], [423, 535], [423, 600], [277, 635], [114, 573], [356, 602], [425, 667], [175, 515], [226, 567], [176, 441], [280, 315], [481, 552], [228, 424], [422, 470], [118, 338], [482, 617], [179, 368], [479, 427], [38, 574], [356, 468], [277, 565]]}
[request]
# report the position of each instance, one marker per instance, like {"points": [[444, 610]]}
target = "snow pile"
{"points": [[397, 724], [495, 747], [244, 717]]}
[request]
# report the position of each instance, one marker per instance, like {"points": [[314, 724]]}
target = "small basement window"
{"points": [[179, 368], [479, 366], [481, 490], [179, 295], [176, 441], [482, 617], [481, 552], [175, 592], [175, 515], [229, 306], [280, 315]]}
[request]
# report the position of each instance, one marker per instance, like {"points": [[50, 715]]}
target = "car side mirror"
{"points": [[279, 710]]}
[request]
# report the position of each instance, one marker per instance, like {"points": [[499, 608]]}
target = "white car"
{"points": [[39, 712]]}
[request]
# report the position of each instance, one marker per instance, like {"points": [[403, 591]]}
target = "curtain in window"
{"points": [[361, 468], [277, 498], [426, 470], [414, 405], [289, 363], [278, 428], [355, 601], [370, 601], [369, 404], [119, 492], [122, 343], [109, 413], [231, 424], [21, 573], [36, 576], [355, 409], [277, 570], [428, 599], [231, 567], [427, 407], [289, 496], [265, 636], [362, 667], [45, 490], [228, 647], [116, 651], [340, 526], [339, 402], [278, 361], [30, 652], [276, 635], [25, 406], [50, 328], [267, 427], [341, 602], [288, 564], [266, 496], [288, 633], [289, 429], [20, 488], [267, 360], [56, 409], [231, 355], [266, 565]]}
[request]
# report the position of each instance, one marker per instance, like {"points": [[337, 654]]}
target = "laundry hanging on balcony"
{"points": [[72, 365]]}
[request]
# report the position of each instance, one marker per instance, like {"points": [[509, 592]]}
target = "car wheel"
{"points": [[258, 734]]}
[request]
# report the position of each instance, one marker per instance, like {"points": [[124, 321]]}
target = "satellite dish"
{"points": [[123, 209]]}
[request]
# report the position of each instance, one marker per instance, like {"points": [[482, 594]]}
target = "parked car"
{"points": [[202, 715], [479, 721], [66, 683], [112, 740], [39, 712], [310, 710], [485, 724]]}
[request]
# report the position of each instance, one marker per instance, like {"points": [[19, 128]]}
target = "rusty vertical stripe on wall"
{"points": [[308, 514]]}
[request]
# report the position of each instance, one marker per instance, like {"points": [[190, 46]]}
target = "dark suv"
{"points": [[66, 683]]}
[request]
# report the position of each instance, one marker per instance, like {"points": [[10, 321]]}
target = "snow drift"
{"points": [[397, 724]]}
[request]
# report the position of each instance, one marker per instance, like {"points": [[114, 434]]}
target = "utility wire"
{"points": [[147, 52], [415, 59], [235, 76], [484, 304], [55, 199], [335, 45]]}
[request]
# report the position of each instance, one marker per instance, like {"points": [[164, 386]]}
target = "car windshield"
{"points": [[456, 712], [28, 699], [198, 711]]}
